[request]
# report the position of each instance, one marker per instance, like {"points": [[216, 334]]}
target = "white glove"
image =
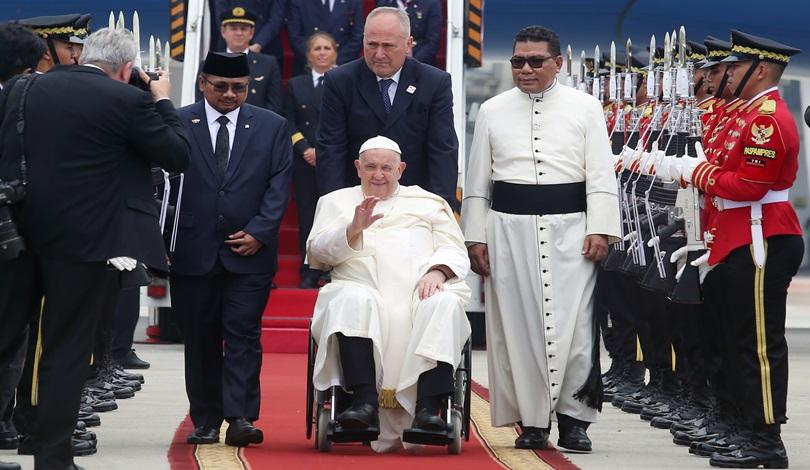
{"points": [[688, 164], [679, 258], [123, 263], [653, 241], [702, 263]]}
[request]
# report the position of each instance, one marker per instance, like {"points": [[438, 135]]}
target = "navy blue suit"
{"points": [[220, 294], [426, 27], [345, 23], [420, 121]]}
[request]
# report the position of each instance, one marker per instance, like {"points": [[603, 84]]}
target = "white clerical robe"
{"points": [[539, 293], [373, 295]]}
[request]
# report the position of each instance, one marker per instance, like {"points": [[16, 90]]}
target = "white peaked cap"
{"points": [[380, 142]]}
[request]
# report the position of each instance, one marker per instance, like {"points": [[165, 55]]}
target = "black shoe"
{"points": [[78, 446], [359, 416], [98, 405], [308, 283], [241, 432], [119, 372], [118, 391], [203, 435], [427, 421], [10, 466], [89, 419], [532, 438], [132, 361], [572, 433], [8, 435], [761, 449]]}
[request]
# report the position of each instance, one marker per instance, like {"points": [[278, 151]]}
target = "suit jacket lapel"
{"points": [[203, 136], [244, 131], [370, 91], [402, 98]]}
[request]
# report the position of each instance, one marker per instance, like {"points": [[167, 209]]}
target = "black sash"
{"points": [[539, 199]]}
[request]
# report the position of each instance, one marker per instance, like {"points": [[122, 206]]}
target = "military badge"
{"points": [[761, 134], [238, 11]]}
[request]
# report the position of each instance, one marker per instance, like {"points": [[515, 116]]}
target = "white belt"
{"points": [[757, 239]]}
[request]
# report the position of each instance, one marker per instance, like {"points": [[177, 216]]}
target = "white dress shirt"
{"points": [[392, 90], [211, 115], [315, 77]]}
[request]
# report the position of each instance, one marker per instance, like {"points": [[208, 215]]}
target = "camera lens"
{"points": [[11, 244]]}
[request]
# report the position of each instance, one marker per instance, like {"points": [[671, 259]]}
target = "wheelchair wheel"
{"points": [[311, 405], [454, 448], [322, 442]]}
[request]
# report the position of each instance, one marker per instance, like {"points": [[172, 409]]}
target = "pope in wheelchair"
{"points": [[391, 326]]}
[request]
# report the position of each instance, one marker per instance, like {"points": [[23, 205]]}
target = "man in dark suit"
{"points": [[426, 26], [389, 94], [237, 27], [89, 140], [270, 17], [343, 19], [234, 197]]}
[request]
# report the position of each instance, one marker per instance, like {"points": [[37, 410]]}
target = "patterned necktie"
{"points": [[385, 84], [222, 147]]}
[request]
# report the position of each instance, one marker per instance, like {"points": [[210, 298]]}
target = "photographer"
{"points": [[88, 141]]}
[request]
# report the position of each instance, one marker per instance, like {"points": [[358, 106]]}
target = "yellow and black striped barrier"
{"points": [[177, 42], [474, 33]]}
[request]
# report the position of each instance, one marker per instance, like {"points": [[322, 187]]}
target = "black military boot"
{"points": [[632, 381], [8, 435], [648, 395], [763, 447]]}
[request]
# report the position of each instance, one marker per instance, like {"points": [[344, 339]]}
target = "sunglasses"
{"points": [[535, 61], [222, 87]]}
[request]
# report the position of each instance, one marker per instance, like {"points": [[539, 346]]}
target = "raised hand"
{"points": [[363, 218]]}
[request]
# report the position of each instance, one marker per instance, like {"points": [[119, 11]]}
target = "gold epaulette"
{"points": [[757, 103], [767, 107], [735, 105]]}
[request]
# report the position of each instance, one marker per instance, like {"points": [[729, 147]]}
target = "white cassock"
{"points": [[539, 296], [373, 295]]}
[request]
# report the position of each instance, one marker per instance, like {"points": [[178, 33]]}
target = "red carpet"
{"points": [[286, 446]]}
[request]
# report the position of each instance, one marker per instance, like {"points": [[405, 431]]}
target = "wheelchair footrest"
{"points": [[339, 434], [431, 438]]}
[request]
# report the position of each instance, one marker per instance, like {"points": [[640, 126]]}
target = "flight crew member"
{"points": [[66, 205], [302, 108], [234, 197]]}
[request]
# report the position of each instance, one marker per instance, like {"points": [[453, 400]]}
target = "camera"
{"points": [[11, 243], [136, 80]]}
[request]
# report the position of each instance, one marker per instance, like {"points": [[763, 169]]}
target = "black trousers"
{"points": [[306, 198], [755, 317], [125, 319], [357, 363], [18, 280], [222, 312], [620, 335], [109, 290], [62, 339]]}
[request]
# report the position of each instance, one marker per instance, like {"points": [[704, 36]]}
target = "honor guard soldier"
{"points": [[63, 35], [757, 248]]}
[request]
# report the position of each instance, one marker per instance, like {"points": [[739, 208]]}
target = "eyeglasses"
{"points": [[222, 87], [535, 61]]}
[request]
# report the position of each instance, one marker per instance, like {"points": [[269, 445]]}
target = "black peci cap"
{"points": [[226, 64]]}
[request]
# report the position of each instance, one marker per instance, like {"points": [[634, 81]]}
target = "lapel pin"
{"points": [[410, 89], [247, 126], [195, 121]]}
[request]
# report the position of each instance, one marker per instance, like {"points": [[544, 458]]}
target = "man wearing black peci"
{"points": [[89, 140]]}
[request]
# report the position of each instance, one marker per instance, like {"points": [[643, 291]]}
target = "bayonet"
{"points": [[111, 21], [152, 57], [164, 65], [651, 71], [595, 85], [629, 86], [158, 54], [666, 83], [613, 82], [569, 66], [136, 35], [582, 72], [121, 23]]}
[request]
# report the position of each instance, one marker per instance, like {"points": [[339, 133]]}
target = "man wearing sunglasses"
{"points": [[234, 196], [539, 209]]}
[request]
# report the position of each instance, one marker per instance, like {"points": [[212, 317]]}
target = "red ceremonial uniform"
{"points": [[759, 154]]}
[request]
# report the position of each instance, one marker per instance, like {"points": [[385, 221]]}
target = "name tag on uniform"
{"points": [[410, 89], [195, 121], [258, 79]]}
